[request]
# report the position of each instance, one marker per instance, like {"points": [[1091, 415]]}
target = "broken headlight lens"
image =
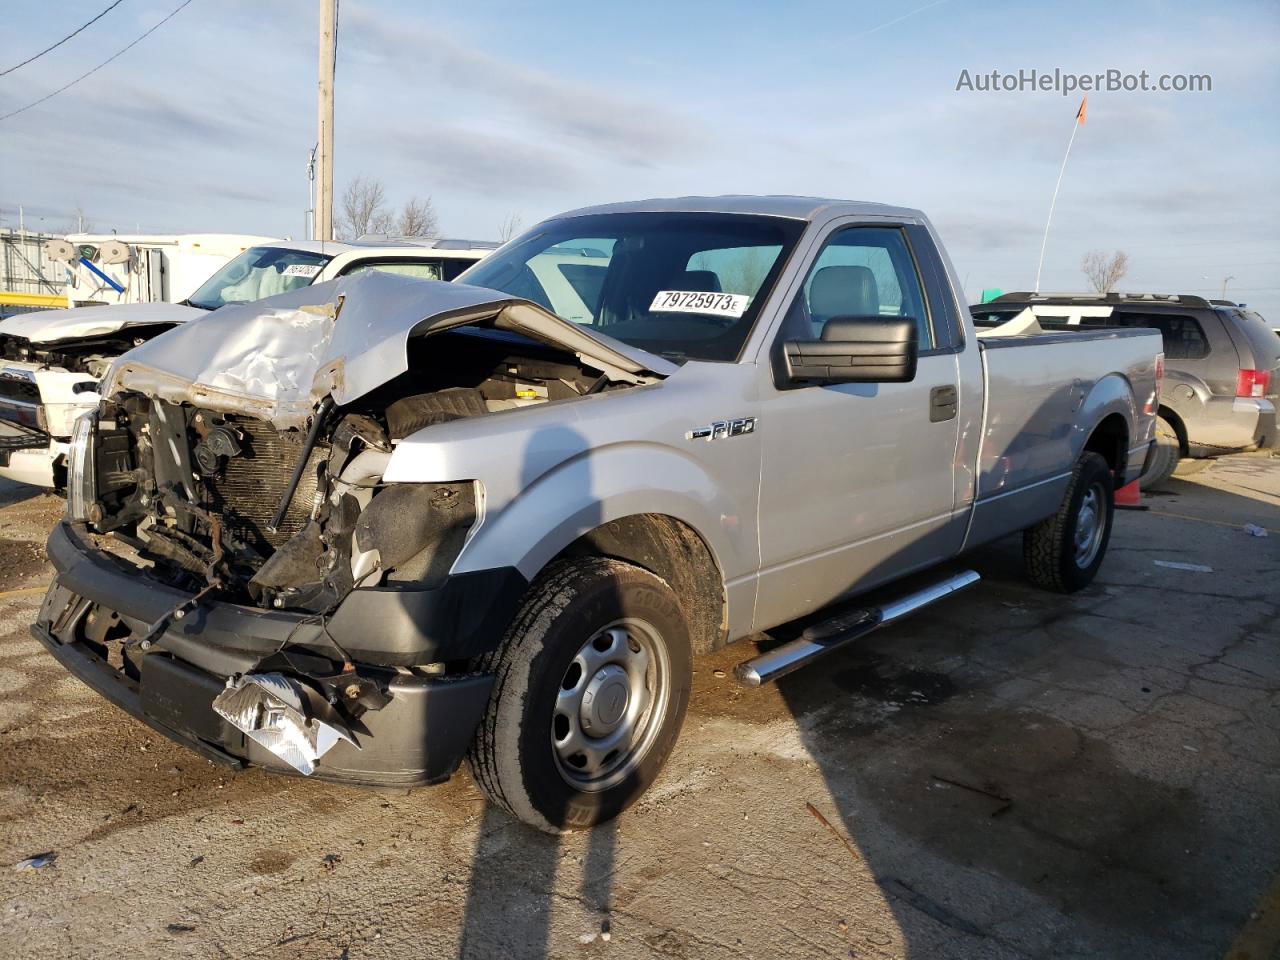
{"points": [[284, 716], [82, 482]]}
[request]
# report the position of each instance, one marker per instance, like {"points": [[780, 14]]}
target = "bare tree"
{"points": [[83, 223], [511, 225], [418, 219], [363, 209], [1105, 272]]}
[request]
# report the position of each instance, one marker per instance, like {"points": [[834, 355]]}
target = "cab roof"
{"points": [[796, 208]]}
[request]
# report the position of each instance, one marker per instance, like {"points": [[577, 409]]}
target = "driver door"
{"points": [[857, 481]]}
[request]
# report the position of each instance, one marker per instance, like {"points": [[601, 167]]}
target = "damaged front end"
{"points": [[235, 571], [272, 518], [263, 592]]}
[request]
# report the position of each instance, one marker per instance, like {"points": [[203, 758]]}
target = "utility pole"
{"points": [[324, 153]]}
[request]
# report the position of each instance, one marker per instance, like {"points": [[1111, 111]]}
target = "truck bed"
{"points": [[1041, 389]]}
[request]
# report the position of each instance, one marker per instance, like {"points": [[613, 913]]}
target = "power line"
{"points": [[82, 76], [64, 39]]}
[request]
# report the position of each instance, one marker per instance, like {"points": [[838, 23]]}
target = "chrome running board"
{"points": [[833, 634]]}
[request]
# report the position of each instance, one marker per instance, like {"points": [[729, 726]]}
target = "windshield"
{"points": [[258, 272], [683, 285]]}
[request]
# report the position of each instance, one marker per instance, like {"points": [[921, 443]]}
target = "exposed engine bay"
{"points": [[296, 518], [92, 356]]}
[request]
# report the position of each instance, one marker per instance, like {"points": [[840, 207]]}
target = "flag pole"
{"points": [[1057, 186]]}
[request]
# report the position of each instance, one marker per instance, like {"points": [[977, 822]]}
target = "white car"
{"points": [[51, 361]]}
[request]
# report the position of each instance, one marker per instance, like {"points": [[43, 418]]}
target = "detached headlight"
{"points": [[82, 473]]}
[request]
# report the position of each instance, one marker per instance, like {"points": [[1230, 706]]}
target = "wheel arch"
{"points": [[1110, 439], [673, 550]]}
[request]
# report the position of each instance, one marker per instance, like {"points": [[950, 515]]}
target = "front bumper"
{"points": [[418, 737], [30, 456]]}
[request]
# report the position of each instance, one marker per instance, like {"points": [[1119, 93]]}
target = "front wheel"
{"points": [[1063, 552], [592, 682]]}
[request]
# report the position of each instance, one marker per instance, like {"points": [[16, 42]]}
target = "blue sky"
{"points": [[531, 108]]}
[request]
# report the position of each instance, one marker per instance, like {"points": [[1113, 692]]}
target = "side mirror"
{"points": [[855, 350]]}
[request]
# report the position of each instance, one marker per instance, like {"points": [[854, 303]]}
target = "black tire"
{"points": [[1164, 458], [1050, 549], [514, 757]]}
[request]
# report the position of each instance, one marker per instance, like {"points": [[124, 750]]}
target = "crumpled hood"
{"points": [[277, 358], [82, 323]]}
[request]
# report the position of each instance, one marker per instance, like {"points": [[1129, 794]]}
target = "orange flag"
{"points": [[1080, 113]]}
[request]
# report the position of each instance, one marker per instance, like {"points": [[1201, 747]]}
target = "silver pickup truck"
{"points": [[369, 527]]}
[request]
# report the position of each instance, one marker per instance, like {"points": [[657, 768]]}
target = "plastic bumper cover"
{"points": [[385, 626], [28, 455], [418, 737]]}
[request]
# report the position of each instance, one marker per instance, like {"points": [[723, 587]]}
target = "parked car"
{"points": [[364, 528], [51, 361], [1222, 366]]}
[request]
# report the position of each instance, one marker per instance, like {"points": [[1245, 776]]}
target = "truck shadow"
{"points": [[980, 757], [974, 756], [514, 879], [514, 887]]}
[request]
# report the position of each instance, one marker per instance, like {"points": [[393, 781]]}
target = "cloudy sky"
{"points": [[509, 108]]}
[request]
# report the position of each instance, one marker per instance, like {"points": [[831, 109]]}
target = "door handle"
{"points": [[942, 403]]}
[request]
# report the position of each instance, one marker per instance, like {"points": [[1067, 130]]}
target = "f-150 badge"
{"points": [[720, 429]]}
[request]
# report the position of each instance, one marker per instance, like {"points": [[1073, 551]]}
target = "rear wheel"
{"points": [[1063, 552], [592, 684], [1164, 458]]}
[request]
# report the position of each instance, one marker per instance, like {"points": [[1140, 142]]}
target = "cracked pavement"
{"points": [[1019, 775]]}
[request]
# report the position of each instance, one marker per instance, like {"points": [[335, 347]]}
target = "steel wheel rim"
{"points": [[1090, 524], [610, 704]]}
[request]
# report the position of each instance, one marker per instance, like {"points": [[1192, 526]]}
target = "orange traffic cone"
{"points": [[1129, 495]]}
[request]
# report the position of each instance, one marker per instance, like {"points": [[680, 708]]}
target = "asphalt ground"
{"points": [[1009, 774]]}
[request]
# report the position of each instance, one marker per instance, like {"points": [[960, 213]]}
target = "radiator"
{"points": [[250, 486]]}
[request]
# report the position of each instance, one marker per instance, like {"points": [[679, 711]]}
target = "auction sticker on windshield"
{"points": [[302, 270], [693, 301]]}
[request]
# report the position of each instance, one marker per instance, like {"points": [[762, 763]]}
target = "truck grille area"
{"points": [[248, 489]]}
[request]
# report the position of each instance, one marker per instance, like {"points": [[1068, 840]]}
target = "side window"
{"points": [[1184, 338], [860, 272], [425, 270]]}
